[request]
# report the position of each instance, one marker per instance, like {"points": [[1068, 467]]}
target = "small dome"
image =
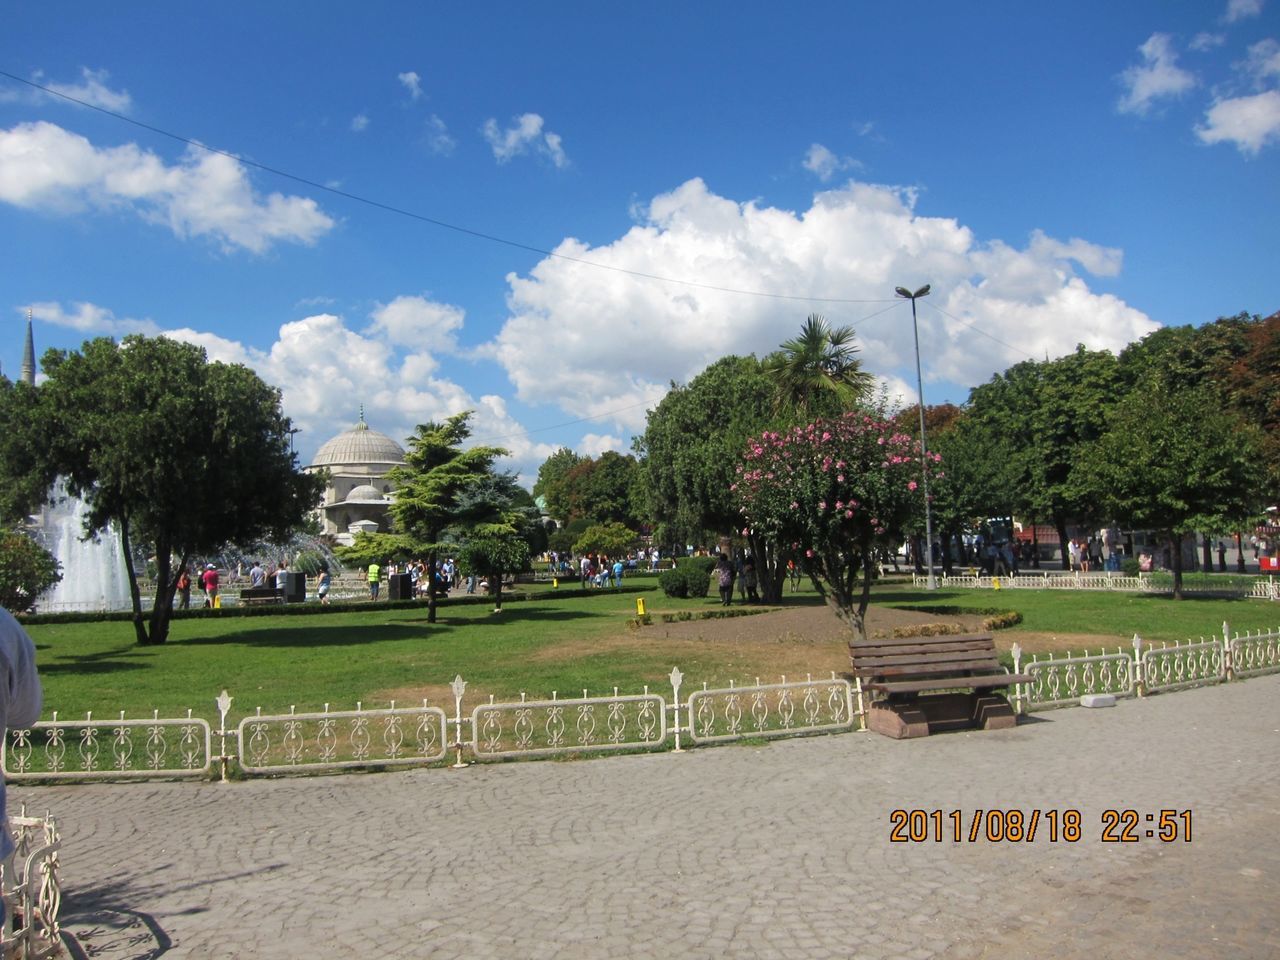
{"points": [[365, 492], [360, 444]]}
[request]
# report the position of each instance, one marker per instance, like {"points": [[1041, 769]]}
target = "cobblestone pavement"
{"points": [[731, 852]]}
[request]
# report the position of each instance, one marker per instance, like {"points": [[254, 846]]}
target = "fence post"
{"points": [[1228, 665], [676, 679], [1139, 681], [1017, 687], [224, 707], [862, 708], [459, 687]]}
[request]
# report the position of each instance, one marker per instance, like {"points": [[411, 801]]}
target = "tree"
{"points": [[819, 363], [550, 485], [493, 555], [1039, 416], [181, 454], [431, 488], [1174, 461], [612, 539], [838, 490], [26, 570]]}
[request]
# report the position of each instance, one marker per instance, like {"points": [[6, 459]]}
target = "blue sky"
{"points": [[1065, 174]]}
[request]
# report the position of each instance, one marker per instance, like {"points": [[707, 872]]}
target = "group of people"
{"points": [[741, 570], [1085, 555], [209, 581]]}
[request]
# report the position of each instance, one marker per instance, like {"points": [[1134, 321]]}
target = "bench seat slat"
{"points": [[926, 668], [864, 662], [959, 683], [940, 638]]}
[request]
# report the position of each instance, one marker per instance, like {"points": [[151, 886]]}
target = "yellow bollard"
{"points": [[555, 583], [640, 606], [995, 583]]}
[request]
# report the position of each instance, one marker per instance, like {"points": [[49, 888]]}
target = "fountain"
{"points": [[93, 574]]}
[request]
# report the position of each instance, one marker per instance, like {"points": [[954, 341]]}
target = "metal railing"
{"points": [[32, 890], [396, 736]]}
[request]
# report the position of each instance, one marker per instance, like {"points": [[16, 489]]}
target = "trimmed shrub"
{"points": [[673, 584], [697, 574]]}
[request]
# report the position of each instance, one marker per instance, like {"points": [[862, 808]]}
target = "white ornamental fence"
{"points": [[32, 890], [425, 734], [1268, 589]]}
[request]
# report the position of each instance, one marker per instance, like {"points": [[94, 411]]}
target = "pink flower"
{"points": [[822, 504], [848, 514], [911, 485], [808, 553], [840, 477]]}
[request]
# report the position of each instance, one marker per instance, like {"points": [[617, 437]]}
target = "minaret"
{"points": [[29, 355]]}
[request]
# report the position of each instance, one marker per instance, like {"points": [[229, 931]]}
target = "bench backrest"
{"points": [[903, 658]]}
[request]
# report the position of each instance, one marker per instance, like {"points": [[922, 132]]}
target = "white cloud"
{"points": [[89, 319], [1202, 42], [93, 90], [594, 444], [599, 342], [524, 137], [44, 167], [411, 82], [1250, 123], [1157, 77], [1241, 9], [824, 164], [359, 122], [1264, 60], [439, 140], [326, 370]]}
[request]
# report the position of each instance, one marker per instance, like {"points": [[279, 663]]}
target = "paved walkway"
{"points": [[779, 851]]}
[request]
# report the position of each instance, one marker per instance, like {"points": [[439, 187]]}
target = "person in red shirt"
{"points": [[210, 580]]}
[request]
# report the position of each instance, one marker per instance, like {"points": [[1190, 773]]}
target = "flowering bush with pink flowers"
{"points": [[833, 490]]}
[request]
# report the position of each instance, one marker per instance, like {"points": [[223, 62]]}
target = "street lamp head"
{"points": [[922, 292], [903, 292], [908, 295]]}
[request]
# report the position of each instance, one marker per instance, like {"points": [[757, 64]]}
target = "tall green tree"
{"points": [[819, 365], [550, 482], [181, 454], [26, 570], [432, 484], [1175, 461]]}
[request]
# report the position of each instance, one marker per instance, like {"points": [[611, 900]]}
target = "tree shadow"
{"points": [[308, 636], [107, 661]]}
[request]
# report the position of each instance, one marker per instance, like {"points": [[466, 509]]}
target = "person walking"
{"points": [[724, 578], [184, 589], [210, 580], [21, 699], [374, 572], [323, 583]]}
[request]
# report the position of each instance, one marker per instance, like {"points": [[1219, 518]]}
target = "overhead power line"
{"points": [[422, 218]]}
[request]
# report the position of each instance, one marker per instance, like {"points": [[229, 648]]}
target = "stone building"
{"points": [[358, 496]]}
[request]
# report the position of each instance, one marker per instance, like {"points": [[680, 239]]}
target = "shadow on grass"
{"points": [[108, 661]]}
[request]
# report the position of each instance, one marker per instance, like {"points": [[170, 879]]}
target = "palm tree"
{"points": [[819, 362]]}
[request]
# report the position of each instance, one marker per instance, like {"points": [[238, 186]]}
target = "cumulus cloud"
{"points": [[1157, 77], [1250, 123], [1206, 41], [359, 122], [524, 136], [89, 319], [1263, 61], [326, 370], [439, 140], [1241, 9], [44, 167], [93, 90], [824, 164], [411, 82], [594, 444], [596, 341]]}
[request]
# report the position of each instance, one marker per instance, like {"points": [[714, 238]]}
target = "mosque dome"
{"points": [[359, 445], [365, 492]]}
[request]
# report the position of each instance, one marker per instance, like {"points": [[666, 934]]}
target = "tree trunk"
{"points": [[431, 586], [1208, 554], [1035, 547], [771, 573], [497, 591], [139, 625], [1060, 524], [1240, 568], [162, 608], [1175, 563]]}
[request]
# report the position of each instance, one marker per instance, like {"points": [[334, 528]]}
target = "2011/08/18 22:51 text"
{"points": [[1018, 826]]}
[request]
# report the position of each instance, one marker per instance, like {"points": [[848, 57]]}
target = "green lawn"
{"points": [[534, 646]]}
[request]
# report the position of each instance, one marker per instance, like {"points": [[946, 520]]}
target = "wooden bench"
{"points": [[252, 595], [903, 668]]}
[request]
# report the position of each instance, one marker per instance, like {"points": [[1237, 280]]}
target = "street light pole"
{"points": [[924, 442]]}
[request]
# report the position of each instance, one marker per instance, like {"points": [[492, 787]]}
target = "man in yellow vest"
{"points": [[375, 572]]}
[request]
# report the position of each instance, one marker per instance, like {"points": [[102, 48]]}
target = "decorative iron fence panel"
{"points": [[1255, 653], [32, 890], [1183, 665], [771, 710], [341, 739], [108, 749], [1062, 681], [543, 728]]}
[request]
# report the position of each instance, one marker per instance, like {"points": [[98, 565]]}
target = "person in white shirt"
{"points": [[20, 700]]}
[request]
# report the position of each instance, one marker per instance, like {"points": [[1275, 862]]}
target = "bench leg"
{"points": [[901, 721], [991, 711]]}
